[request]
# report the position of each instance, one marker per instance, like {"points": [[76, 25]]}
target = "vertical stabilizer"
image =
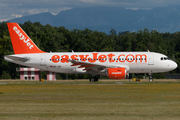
{"points": [[22, 43]]}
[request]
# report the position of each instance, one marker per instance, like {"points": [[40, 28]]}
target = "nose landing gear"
{"points": [[150, 77]]}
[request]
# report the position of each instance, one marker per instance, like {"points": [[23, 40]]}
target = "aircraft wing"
{"points": [[95, 66]]}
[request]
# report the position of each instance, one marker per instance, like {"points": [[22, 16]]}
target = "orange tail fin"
{"points": [[22, 43]]}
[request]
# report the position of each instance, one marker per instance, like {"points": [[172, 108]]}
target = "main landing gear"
{"points": [[93, 79], [150, 77]]}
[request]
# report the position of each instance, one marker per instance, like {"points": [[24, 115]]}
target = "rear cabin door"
{"points": [[43, 60], [151, 59]]}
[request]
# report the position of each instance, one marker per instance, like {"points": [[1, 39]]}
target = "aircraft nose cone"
{"points": [[174, 65]]}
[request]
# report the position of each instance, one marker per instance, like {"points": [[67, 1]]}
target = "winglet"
{"points": [[22, 43]]}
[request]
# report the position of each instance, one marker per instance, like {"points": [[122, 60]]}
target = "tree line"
{"points": [[60, 39]]}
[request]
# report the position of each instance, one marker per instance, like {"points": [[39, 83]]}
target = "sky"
{"points": [[10, 9]]}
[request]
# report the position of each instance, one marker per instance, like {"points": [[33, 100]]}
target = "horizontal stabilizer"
{"points": [[16, 58]]}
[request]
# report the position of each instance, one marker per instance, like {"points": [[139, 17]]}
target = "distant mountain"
{"points": [[165, 19], [43, 18]]}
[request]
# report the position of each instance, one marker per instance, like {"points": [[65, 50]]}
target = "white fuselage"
{"points": [[134, 62]]}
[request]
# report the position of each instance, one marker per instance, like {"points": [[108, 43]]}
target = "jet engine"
{"points": [[117, 73]]}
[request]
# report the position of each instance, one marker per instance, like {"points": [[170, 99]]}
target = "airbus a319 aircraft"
{"points": [[115, 65]]}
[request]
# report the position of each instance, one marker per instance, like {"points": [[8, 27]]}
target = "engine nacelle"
{"points": [[117, 73]]}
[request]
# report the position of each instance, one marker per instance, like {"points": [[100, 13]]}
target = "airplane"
{"points": [[115, 65]]}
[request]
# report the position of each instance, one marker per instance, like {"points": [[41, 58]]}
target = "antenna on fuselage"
{"points": [[72, 51]]}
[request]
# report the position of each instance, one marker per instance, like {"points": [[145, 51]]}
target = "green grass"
{"points": [[103, 100]]}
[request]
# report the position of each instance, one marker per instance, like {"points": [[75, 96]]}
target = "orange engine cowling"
{"points": [[117, 73]]}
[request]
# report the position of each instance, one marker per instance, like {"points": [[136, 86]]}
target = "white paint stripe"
{"points": [[25, 69], [50, 76]]}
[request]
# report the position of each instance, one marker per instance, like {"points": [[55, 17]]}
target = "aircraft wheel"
{"points": [[93, 79]]}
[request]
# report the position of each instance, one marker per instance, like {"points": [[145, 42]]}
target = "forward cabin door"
{"points": [[151, 59], [43, 60]]}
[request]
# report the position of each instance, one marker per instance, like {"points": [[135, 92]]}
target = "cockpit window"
{"points": [[164, 58]]}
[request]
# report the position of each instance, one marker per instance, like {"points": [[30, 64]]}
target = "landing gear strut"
{"points": [[150, 77], [93, 79]]}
